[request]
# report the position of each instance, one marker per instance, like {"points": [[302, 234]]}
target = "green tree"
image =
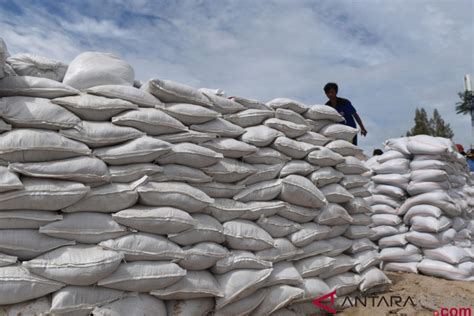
{"points": [[434, 126], [462, 106]]}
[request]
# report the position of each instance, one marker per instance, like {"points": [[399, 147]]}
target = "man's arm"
{"points": [[363, 131]]}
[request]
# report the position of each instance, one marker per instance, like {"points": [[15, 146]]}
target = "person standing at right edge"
{"points": [[345, 108]]}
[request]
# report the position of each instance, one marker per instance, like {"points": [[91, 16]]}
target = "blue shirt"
{"points": [[470, 163], [345, 108]]}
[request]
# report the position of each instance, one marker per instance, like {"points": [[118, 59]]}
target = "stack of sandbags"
{"points": [[438, 210], [196, 202]]}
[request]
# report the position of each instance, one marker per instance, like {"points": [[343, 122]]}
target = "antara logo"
{"points": [[371, 301]]}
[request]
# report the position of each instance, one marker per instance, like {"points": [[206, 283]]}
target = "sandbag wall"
{"points": [[422, 207], [168, 200]]}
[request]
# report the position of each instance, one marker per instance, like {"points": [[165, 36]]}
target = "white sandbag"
{"points": [[389, 190], [81, 299], [19, 285], [37, 66], [156, 220], [323, 112], [199, 306], [386, 219], [143, 276], [342, 264], [240, 259], [397, 180], [384, 231], [334, 214], [244, 306], [142, 304], [344, 148], [389, 155], [299, 167], [250, 117], [356, 232], [34, 87], [278, 296], [144, 247], [292, 148], [202, 256], [229, 170], [251, 104], [220, 127], [361, 245], [448, 253], [313, 288], [430, 224], [309, 233], [409, 253], [361, 192], [416, 188], [175, 194], [314, 266], [267, 155], [101, 134], [383, 209], [397, 166], [173, 92], [373, 278], [189, 114], [32, 145], [6, 260], [260, 136], [190, 155], [336, 193], [277, 226], [141, 150], [81, 169], [94, 108], [324, 157], [429, 240], [30, 112], [285, 103], [27, 244], [432, 164], [130, 94], [344, 283], [222, 104], [151, 121], [325, 176], [4, 127], [133, 172], [289, 129], [8, 180], [91, 69], [357, 206], [43, 194], [299, 214], [227, 209], [219, 190], [284, 273], [439, 199], [339, 131], [246, 235], [262, 191], [314, 249], [85, 227], [351, 181], [429, 175], [301, 191], [351, 165], [238, 284], [262, 173], [172, 172], [366, 259], [428, 145], [107, 198], [338, 243], [39, 306], [397, 240], [290, 116], [206, 228], [263, 209], [195, 284], [75, 265], [230, 148], [283, 250], [27, 219], [410, 267], [443, 270], [313, 139]]}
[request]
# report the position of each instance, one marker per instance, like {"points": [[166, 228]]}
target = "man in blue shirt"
{"points": [[345, 108]]}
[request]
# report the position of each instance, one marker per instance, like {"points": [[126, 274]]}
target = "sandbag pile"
{"points": [[422, 208], [170, 200]]}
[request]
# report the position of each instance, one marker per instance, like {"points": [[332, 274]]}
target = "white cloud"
{"points": [[387, 59]]}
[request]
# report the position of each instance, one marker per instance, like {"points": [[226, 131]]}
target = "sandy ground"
{"points": [[429, 295]]}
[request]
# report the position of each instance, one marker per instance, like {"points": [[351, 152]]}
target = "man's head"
{"points": [[331, 90]]}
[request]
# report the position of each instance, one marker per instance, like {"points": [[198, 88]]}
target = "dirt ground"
{"points": [[429, 294]]}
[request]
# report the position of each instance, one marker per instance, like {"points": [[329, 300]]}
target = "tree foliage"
{"points": [[462, 106], [434, 126]]}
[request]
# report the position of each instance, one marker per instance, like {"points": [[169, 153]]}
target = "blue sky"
{"points": [[388, 57]]}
